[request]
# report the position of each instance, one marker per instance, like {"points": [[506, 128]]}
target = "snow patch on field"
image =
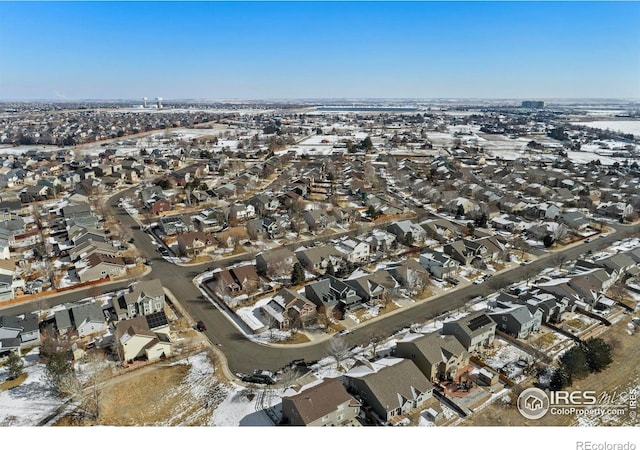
{"points": [[32, 401]]}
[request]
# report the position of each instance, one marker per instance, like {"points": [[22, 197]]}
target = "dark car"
{"points": [[201, 326], [260, 376]]}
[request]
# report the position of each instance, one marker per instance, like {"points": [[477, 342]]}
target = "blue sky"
{"points": [[266, 50]]}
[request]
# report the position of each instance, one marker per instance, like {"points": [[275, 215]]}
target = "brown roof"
{"points": [[95, 259], [319, 400], [138, 325], [247, 272], [187, 239], [8, 264]]}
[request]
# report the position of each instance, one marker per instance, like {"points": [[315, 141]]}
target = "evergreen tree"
{"points": [[57, 370], [559, 380], [330, 269], [409, 238], [14, 365], [574, 364], [297, 274], [597, 353]]}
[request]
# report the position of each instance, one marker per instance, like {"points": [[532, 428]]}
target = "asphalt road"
{"points": [[244, 355]]}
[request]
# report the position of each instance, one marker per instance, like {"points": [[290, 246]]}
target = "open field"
{"points": [[621, 376], [182, 394]]}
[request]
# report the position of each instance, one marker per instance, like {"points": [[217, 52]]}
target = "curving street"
{"points": [[244, 355]]}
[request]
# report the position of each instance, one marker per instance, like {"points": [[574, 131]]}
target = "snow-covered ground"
{"points": [[32, 401], [622, 126]]}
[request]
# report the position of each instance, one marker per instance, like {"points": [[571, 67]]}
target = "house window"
{"points": [[340, 407], [325, 418], [340, 417]]}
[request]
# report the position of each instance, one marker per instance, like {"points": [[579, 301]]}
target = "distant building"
{"points": [[533, 104]]}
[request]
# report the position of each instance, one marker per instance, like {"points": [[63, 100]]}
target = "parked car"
{"points": [[201, 326], [260, 376]]}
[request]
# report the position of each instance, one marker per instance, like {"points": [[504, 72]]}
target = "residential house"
{"points": [[439, 264], [389, 387], [318, 220], [264, 203], [330, 292], [23, 327], [574, 220], [160, 205], [380, 241], [142, 299], [137, 341], [474, 331], [617, 210], [551, 306], [235, 281], [591, 285], [195, 243], [98, 266], [409, 274], [441, 229], [324, 404], [516, 320], [239, 213], [209, 221], [10, 282], [288, 310], [439, 357], [354, 249], [79, 235], [618, 265], [86, 318], [171, 225], [317, 258], [89, 247], [467, 252], [276, 263], [407, 232], [373, 288]]}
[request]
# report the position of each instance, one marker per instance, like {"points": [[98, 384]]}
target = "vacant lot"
{"points": [[621, 376], [184, 394]]}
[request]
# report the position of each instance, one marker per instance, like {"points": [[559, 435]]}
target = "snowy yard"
{"points": [[31, 402], [507, 357]]}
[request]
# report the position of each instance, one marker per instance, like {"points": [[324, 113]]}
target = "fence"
{"points": [[50, 292], [523, 346]]}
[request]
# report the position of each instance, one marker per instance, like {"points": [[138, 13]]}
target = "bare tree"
{"points": [[338, 349], [418, 282], [560, 233], [559, 259], [521, 244], [374, 338]]}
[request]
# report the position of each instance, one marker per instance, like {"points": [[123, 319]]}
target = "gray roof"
{"points": [[394, 381], [436, 348], [151, 288], [63, 319], [86, 312], [520, 313], [6, 279], [27, 324], [475, 324]]}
